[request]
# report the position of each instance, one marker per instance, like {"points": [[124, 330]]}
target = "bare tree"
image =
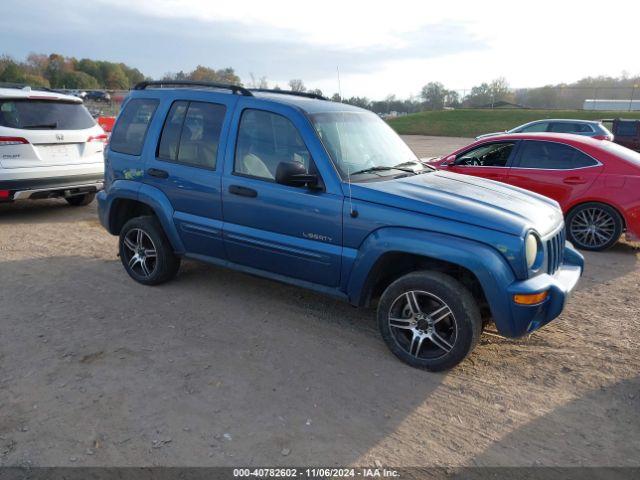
{"points": [[297, 85]]}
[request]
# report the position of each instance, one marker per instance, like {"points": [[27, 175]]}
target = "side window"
{"points": [[568, 127], [491, 155], [131, 129], [552, 156], [191, 133], [264, 140], [536, 127]]}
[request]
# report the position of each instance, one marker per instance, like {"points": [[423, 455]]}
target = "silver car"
{"points": [[588, 128]]}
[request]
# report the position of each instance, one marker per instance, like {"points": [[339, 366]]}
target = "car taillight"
{"points": [[603, 137], [5, 194], [98, 138], [13, 141]]}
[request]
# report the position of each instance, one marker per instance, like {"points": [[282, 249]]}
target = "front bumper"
{"points": [[527, 318]]}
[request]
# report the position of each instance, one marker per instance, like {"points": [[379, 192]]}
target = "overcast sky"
{"points": [[380, 48]]}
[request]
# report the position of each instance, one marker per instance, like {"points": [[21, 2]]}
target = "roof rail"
{"points": [[193, 83], [290, 92]]}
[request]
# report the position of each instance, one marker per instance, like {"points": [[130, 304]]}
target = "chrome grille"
{"points": [[555, 251]]}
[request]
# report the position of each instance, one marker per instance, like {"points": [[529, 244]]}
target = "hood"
{"points": [[467, 199]]}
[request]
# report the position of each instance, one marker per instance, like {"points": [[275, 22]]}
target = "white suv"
{"points": [[50, 146]]}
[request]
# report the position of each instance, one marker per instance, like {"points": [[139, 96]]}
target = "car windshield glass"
{"points": [[362, 142], [44, 115], [622, 152]]}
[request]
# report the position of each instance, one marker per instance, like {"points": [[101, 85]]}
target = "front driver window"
{"points": [[492, 155], [264, 140]]}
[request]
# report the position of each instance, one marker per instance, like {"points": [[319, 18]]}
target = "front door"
{"points": [[489, 160], [290, 231]]}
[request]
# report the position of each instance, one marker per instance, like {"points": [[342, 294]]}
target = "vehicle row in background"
{"points": [[595, 182], [587, 128], [50, 146]]}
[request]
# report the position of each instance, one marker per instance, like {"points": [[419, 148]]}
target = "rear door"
{"points": [[489, 160], [186, 166], [556, 170], [48, 133]]}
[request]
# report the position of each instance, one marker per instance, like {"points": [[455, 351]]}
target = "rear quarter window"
{"points": [[44, 115], [131, 128]]}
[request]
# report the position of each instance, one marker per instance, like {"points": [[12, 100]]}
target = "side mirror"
{"points": [[294, 174]]}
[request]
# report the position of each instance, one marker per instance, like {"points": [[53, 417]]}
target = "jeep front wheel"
{"points": [[429, 320], [146, 253]]}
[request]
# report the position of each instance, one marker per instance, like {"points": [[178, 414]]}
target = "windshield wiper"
{"points": [[43, 125], [414, 162], [382, 169]]}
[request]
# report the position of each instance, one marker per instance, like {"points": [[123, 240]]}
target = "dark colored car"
{"points": [[98, 96], [627, 132], [327, 197], [596, 182]]}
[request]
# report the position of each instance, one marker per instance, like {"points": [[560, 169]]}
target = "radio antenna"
{"points": [[339, 87]]}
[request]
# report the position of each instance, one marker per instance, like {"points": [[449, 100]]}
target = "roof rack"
{"points": [[192, 83], [289, 92]]}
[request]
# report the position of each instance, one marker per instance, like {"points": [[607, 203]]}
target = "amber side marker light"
{"points": [[530, 299]]}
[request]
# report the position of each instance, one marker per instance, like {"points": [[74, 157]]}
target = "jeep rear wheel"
{"points": [[146, 253], [429, 320]]}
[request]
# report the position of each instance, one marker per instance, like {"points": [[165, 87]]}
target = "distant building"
{"points": [[612, 105]]}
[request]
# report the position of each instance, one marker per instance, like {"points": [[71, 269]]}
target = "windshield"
{"points": [[623, 152], [44, 115], [361, 141]]}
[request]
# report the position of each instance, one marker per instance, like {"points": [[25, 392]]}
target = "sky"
{"points": [[378, 48]]}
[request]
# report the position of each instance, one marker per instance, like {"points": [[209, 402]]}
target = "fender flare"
{"points": [[488, 265], [151, 196]]}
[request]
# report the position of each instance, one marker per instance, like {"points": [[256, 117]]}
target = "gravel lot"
{"points": [[221, 368]]}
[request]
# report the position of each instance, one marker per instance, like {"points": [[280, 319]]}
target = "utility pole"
{"points": [[633, 90]]}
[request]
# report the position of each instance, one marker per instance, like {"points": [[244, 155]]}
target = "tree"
{"points": [[336, 97], [297, 85], [78, 80], [316, 91], [487, 94], [434, 94], [206, 74], [259, 82], [113, 76]]}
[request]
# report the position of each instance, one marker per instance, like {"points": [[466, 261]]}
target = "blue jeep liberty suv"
{"points": [[326, 196]]}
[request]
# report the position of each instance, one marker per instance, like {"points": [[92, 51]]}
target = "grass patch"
{"points": [[470, 123]]}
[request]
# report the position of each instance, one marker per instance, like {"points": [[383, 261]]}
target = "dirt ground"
{"points": [[221, 369]]}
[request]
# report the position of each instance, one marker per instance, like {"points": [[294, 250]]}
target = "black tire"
{"points": [[456, 333], [159, 268], [80, 200], [594, 226]]}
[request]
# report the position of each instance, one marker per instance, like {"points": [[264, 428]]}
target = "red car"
{"points": [[596, 182]]}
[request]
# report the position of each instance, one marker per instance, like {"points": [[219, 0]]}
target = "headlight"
{"points": [[531, 249]]}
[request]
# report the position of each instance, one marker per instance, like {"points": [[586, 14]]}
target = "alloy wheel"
{"points": [[140, 253], [593, 227], [422, 324]]}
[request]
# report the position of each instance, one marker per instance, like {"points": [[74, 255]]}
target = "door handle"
{"points": [[574, 181], [156, 172], [243, 191]]}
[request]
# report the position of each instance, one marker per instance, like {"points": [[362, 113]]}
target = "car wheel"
{"points": [[146, 253], [594, 226], [81, 200], [429, 320]]}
